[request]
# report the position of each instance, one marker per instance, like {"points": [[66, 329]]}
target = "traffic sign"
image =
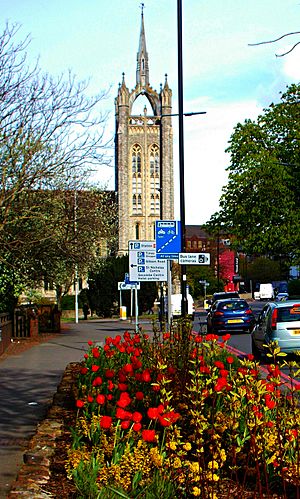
{"points": [[143, 265], [194, 258], [125, 286], [168, 239]]}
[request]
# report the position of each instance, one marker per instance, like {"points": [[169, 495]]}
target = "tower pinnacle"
{"points": [[142, 69]]}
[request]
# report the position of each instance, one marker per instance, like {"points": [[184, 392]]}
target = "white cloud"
{"points": [[291, 62]]}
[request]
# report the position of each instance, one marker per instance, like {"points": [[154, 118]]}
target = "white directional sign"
{"points": [[143, 265], [124, 286], [194, 258]]}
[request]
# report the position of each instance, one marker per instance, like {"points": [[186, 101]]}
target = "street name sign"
{"points": [[124, 286], [194, 258], [143, 265], [168, 239]]}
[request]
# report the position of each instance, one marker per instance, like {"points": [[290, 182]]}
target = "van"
{"points": [[266, 292], [176, 305]]}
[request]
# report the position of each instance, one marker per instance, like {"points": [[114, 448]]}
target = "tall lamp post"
{"points": [[161, 201], [181, 156]]}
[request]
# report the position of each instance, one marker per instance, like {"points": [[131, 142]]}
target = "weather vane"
{"points": [[142, 5]]}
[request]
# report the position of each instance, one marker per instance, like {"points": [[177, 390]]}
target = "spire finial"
{"points": [[142, 5]]}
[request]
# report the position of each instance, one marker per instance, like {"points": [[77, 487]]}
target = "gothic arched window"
{"points": [[154, 179], [154, 160], [136, 159], [136, 178]]}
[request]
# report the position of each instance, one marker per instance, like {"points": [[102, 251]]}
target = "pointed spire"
{"points": [[142, 69]]}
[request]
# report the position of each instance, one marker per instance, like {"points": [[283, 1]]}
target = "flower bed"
{"points": [[178, 416]]}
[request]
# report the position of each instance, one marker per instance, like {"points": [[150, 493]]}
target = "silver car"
{"points": [[278, 321]]}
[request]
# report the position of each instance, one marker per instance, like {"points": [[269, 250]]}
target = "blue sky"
{"points": [[223, 75]]}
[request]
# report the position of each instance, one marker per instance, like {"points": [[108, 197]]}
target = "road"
{"points": [[239, 341]]}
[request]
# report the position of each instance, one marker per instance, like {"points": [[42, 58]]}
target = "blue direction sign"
{"points": [[168, 239]]}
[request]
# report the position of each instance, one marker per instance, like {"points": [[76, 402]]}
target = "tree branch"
{"points": [[276, 40]]}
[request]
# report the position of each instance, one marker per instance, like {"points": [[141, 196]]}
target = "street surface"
{"points": [[238, 341]]}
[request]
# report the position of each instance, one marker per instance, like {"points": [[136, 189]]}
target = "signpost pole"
{"points": [[169, 293], [136, 309]]}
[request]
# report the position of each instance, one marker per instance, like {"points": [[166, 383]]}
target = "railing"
{"points": [[21, 327]]}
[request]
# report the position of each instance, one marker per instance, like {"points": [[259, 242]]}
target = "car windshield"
{"points": [[289, 314], [233, 305]]}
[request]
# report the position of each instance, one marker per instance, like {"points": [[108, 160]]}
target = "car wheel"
{"points": [[255, 351]]}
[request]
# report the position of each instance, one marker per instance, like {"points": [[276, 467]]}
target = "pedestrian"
{"points": [[86, 311]]}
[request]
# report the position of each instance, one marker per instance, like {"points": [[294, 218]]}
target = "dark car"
{"points": [[278, 321], [233, 314], [223, 295]]}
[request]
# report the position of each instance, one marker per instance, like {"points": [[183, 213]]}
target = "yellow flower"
{"points": [[194, 467], [177, 463], [172, 445], [196, 491], [187, 446], [213, 465]]}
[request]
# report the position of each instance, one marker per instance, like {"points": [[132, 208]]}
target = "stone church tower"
{"points": [[143, 155]]}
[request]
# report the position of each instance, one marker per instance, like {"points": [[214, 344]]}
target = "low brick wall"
{"points": [[5, 332], [35, 472]]}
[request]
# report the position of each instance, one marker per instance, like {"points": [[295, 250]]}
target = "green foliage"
{"points": [[103, 281], [68, 302], [264, 269], [260, 205], [294, 287], [85, 479], [196, 274], [103, 295]]}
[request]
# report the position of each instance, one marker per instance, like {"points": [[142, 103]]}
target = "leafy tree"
{"points": [[103, 294], [260, 205], [264, 270], [294, 288], [51, 137]]}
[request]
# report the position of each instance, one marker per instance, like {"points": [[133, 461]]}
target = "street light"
{"points": [[181, 156], [169, 312]]}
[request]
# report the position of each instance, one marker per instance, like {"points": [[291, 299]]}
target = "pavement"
{"points": [[29, 378]]}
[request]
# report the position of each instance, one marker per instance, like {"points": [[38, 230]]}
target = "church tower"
{"points": [[143, 154]]}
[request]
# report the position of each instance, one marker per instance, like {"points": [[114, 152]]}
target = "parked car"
{"points": [[233, 314], [278, 321], [223, 295]]}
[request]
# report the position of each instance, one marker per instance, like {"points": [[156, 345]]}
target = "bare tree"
{"points": [[51, 138]]}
